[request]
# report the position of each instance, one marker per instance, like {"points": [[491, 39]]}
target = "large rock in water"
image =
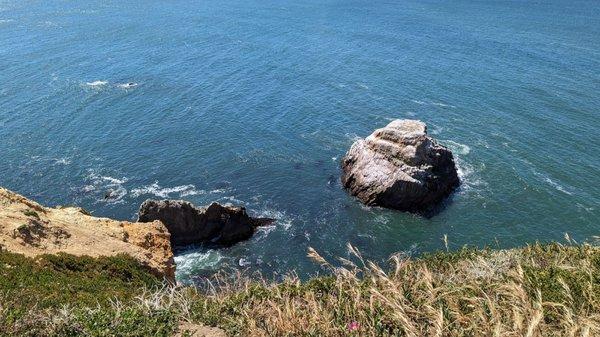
{"points": [[188, 224], [400, 167]]}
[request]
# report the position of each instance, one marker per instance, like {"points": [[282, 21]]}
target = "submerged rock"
{"points": [[189, 224], [400, 167]]}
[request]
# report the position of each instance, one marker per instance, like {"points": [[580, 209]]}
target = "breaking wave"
{"points": [[165, 192]]}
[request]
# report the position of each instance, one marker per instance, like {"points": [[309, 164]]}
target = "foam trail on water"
{"points": [[96, 83], [196, 259], [166, 192], [111, 189], [458, 148]]}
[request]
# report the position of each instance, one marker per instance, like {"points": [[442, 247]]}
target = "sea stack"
{"points": [[188, 224], [400, 167]]}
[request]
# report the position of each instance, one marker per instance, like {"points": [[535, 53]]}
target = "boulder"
{"points": [[189, 224], [400, 167]]}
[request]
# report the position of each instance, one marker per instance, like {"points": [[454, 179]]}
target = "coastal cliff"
{"points": [[31, 229], [50, 286]]}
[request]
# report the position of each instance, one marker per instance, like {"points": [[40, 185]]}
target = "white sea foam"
{"points": [[470, 180], [88, 188], [165, 192], [6, 21], [281, 218], [557, 186], [382, 219], [128, 85], [231, 200], [443, 105], [187, 262], [436, 130], [96, 83], [263, 231], [47, 24], [62, 161], [545, 178], [440, 104], [244, 262], [112, 189], [458, 148]]}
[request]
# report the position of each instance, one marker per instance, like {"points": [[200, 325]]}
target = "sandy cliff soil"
{"points": [[28, 228]]}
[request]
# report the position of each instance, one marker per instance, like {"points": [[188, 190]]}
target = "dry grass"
{"points": [[536, 291], [539, 290]]}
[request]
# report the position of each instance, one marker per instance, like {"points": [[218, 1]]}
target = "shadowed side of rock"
{"points": [[189, 224]]}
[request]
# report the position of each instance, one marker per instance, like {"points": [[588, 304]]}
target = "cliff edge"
{"points": [[31, 229]]}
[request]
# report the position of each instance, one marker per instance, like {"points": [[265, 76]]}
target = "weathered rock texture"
{"points": [[28, 228], [400, 167], [193, 225]]}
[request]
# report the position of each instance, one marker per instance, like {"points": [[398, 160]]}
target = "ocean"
{"points": [[255, 103]]}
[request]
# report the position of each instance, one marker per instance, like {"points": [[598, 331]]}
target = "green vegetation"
{"points": [[38, 295], [31, 214], [538, 290]]}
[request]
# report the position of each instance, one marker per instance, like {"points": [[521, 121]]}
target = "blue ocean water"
{"points": [[255, 102]]}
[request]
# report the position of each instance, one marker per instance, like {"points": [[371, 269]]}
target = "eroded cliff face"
{"points": [[31, 229]]}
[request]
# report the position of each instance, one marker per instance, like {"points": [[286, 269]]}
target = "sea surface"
{"points": [[255, 102]]}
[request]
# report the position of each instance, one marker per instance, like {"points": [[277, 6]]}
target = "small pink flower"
{"points": [[353, 326]]}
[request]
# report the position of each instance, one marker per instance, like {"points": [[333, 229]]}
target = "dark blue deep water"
{"points": [[255, 102]]}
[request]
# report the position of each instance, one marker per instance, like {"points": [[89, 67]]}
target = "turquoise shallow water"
{"points": [[255, 102]]}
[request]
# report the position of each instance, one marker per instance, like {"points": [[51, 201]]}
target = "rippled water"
{"points": [[255, 102]]}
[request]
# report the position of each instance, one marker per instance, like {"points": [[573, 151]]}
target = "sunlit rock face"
{"points": [[400, 167]]}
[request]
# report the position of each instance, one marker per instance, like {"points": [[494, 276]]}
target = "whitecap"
{"points": [[548, 180], [469, 179], [187, 262], [47, 24], [382, 219], [455, 147], [165, 192], [128, 85], [96, 83], [557, 186], [112, 188], [232, 200], [88, 188], [115, 195], [112, 180], [62, 161], [443, 105], [440, 104], [244, 262], [281, 218]]}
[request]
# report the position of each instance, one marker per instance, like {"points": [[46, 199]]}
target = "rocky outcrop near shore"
{"points": [[189, 224], [400, 167], [29, 228]]}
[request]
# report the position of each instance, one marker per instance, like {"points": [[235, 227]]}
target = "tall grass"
{"points": [[539, 290]]}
